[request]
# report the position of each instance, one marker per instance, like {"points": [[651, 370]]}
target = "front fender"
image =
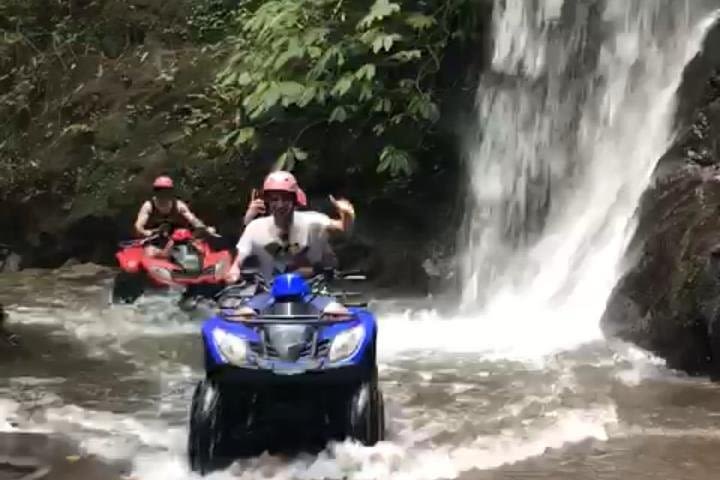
{"points": [[130, 259]]}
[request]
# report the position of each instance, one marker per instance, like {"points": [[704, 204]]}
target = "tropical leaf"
{"points": [[338, 115], [244, 136], [342, 86], [420, 22], [367, 71], [395, 161], [379, 10], [407, 55]]}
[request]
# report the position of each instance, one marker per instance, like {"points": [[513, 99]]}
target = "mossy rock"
{"points": [[112, 132]]}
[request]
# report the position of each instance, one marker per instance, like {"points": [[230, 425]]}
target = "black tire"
{"points": [[127, 287], [206, 451], [199, 299], [366, 413], [188, 303]]}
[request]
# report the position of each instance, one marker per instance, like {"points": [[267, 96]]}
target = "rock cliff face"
{"points": [[669, 300]]}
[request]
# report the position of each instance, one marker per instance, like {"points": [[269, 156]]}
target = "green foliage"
{"points": [[35, 37], [46, 49], [395, 161], [373, 68], [287, 160], [209, 20]]}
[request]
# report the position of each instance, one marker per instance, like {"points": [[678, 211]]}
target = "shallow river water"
{"points": [[118, 381]]}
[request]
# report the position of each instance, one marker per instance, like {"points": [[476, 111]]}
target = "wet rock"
{"points": [[388, 263], [698, 111], [44, 456], [112, 132], [669, 301], [441, 268], [73, 269], [9, 260], [7, 338]]}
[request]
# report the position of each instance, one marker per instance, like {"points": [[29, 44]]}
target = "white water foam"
{"points": [[114, 436], [106, 330], [641, 366], [8, 414], [418, 447], [399, 461]]}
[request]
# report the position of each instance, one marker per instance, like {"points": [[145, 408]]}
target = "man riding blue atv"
{"points": [[283, 357], [282, 360]]}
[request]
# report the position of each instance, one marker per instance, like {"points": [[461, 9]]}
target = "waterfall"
{"points": [[573, 113]]}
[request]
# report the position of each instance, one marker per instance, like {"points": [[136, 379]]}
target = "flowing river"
{"points": [[573, 113]]}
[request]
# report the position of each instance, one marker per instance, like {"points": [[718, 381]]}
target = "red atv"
{"points": [[186, 261]]}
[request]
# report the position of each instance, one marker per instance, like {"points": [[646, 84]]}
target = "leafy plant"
{"points": [[209, 20], [339, 62]]}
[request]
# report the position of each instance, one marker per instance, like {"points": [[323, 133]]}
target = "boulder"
{"points": [[36, 456], [7, 338], [668, 302], [9, 260]]}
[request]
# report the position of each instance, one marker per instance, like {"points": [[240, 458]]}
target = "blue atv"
{"points": [[286, 361]]}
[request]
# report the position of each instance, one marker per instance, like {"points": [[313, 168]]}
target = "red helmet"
{"points": [[163, 182], [282, 181], [181, 235]]}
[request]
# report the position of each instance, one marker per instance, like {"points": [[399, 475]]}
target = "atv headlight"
{"points": [[346, 343], [232, 348]]}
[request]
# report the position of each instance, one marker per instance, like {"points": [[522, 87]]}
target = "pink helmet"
{"points": [[281, 181], [163, 182]]}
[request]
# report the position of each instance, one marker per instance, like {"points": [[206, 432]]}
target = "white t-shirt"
{"points": [[306, 244]]}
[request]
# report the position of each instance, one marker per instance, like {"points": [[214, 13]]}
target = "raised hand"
{"points": [[343, 206]]}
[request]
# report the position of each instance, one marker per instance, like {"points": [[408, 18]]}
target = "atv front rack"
{"points": [[293, 319]]}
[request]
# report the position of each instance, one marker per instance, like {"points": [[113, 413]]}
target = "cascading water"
{"points": [[573, 114]]}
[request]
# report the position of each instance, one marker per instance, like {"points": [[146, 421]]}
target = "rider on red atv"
{"points": [[164, 210]]}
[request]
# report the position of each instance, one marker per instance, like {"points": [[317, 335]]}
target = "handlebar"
{"points": [[164, 231], [318, 282], [247, 276], [138, 241], [205, 230]]}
